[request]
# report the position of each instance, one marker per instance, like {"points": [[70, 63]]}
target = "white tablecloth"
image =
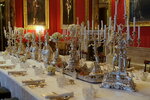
{"points": [[14, 84]]}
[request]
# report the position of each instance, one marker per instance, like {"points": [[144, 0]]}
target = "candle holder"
{"points": [[55, 38], [28, 37], [21, 49], [40, 48], [8, 35], [34, 48], [47, 52], [119, 79]]}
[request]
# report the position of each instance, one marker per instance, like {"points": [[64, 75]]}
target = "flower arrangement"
{"points": [[56, 36], [51, 70], [20, 31], [28, 36], [73, 29]]}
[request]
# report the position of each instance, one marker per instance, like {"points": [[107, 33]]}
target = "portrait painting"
{"points": [[67, 12], [140, 10], [36, 13]]}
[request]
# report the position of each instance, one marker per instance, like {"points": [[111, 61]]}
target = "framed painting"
{"points": [[140, 10], [67, 13], [36, 13]]}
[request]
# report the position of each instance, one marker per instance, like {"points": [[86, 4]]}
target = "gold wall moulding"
{"points": [[67, 8], [36, 13], [135, 8]]}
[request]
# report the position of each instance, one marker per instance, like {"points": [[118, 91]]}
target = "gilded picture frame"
{"points": [[36, 13], [140, 10], [67, 8]]}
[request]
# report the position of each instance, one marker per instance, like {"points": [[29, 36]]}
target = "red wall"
{"points": [[145, 35], [54, 11], [55, 24]]}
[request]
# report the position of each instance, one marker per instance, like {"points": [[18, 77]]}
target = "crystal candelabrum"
{"points": [[13, 35], [119, 79], [8, 35], [40, 46], [47, 52], [34, 48], [79, 35], [55, 38], [28, 37]]}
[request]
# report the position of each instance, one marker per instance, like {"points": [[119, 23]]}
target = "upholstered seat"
{"points": [[4, 93], [12, 98]]}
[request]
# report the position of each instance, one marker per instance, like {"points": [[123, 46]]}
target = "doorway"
{"points": [[3, 42], [103, 15]]}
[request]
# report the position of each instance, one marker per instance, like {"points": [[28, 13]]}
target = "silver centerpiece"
{"points": [[119, 79], [94, 74]]}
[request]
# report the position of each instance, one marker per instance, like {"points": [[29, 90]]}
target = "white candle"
{"points": [[92, 28], [88, 25], [104, 31], [92, 24], [114, 24], [9, 24], [133, 24], [138, 32], [98, 33], [101, 24], [109, 23], [85, 33], [128, 30], [85, 36]]}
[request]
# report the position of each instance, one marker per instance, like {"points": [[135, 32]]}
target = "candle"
{"points": [[88, 24], [109, 23], [92, 24], [133, 24], [98, 34], [85, 34], [9, 24], [101, 24], [114, 24], [138, 32], [128, 30], [92, 28], [104, 31]]}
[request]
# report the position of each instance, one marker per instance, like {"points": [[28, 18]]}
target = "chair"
{"points": [[14, 98], [4, 93], [146, 62]]}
